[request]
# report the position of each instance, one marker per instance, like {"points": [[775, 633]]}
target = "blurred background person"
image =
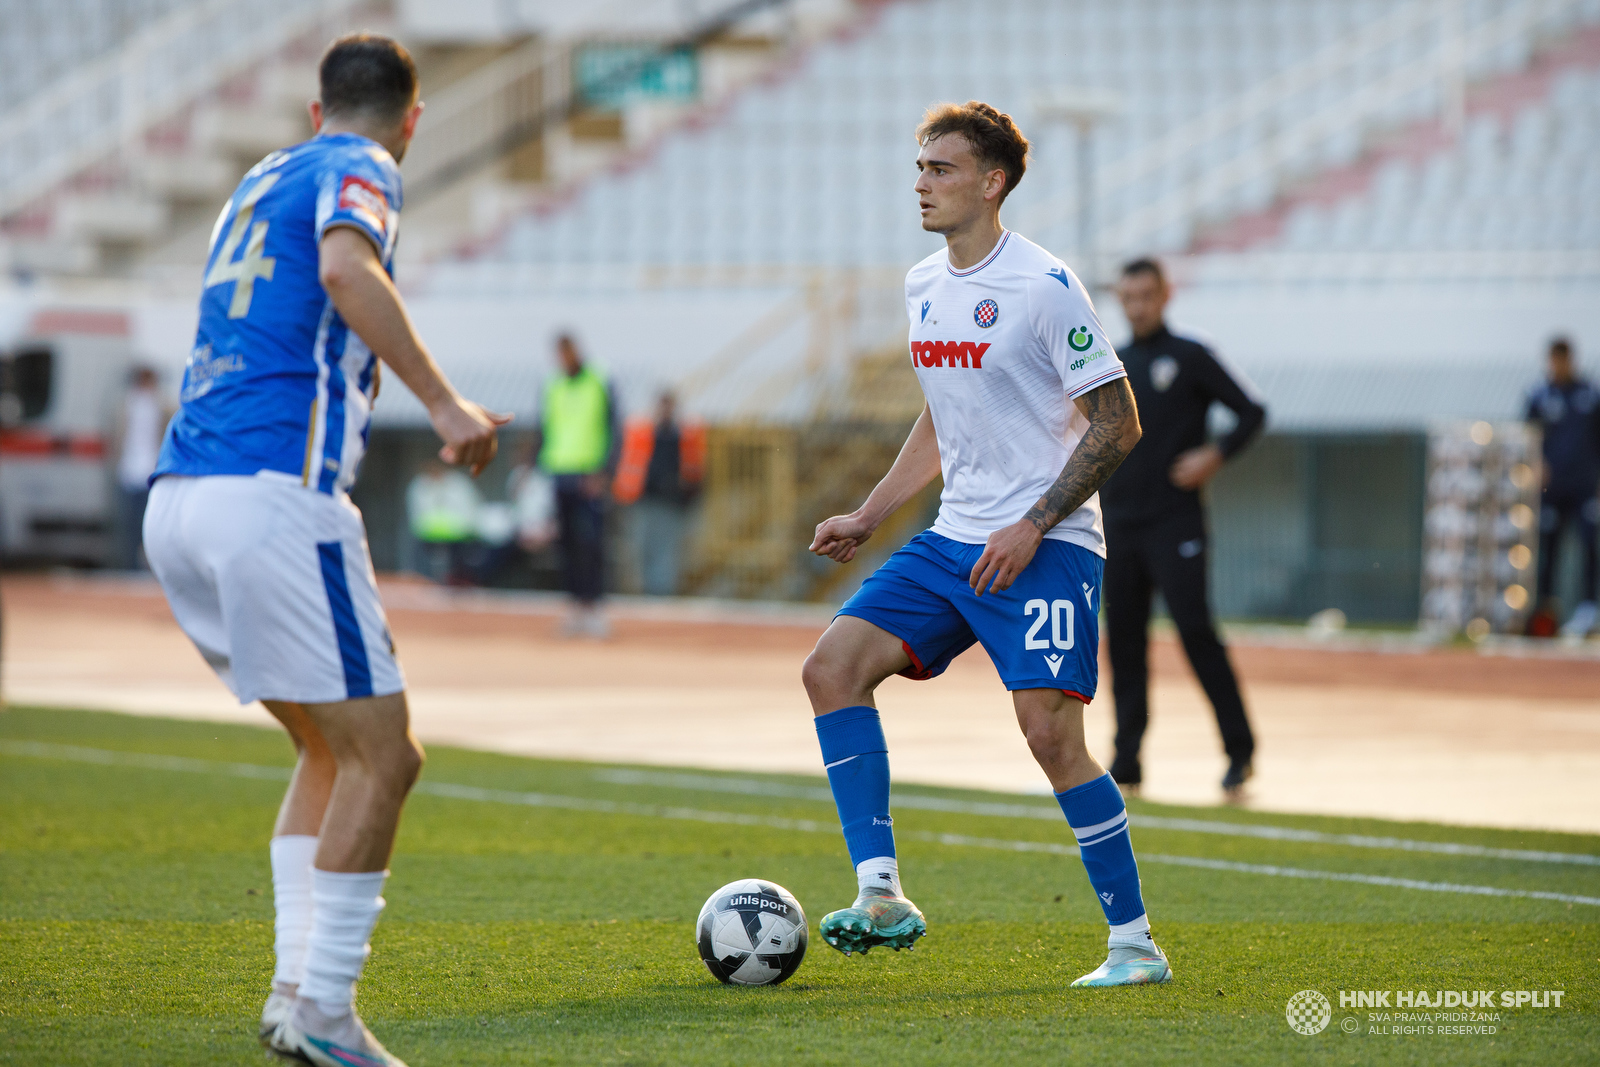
{"points": [[529, 522], [139, 424], [662, 465], [1566, 409], [442, 509], [1156, 525], [578, 439]]}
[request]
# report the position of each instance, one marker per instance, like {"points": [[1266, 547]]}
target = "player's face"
{"points": [[1560, 366], [952, 189], [1144, 299]]}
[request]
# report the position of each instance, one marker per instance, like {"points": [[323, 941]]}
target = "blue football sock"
{"points": [[1099, 819], [857, 760]]}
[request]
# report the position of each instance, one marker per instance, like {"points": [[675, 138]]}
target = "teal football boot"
{"points": [[876, 918], [1130, 965]]}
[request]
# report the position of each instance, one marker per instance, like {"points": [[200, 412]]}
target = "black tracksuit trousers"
{"points": [[1169, 554]]}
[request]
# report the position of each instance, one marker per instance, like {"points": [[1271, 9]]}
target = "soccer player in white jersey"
{"points": [[1028, 412], [261, 554]]}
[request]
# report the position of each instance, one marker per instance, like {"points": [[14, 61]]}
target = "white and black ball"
{"points": [[752, 932]]}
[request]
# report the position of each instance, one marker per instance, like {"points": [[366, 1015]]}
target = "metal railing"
{"points": [[110, 102], [1343, 103]]}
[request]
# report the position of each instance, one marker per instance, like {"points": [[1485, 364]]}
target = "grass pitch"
{"points": [[541, 912]]}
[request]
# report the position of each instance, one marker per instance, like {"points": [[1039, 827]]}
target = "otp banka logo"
{"points": [[948, 353]]}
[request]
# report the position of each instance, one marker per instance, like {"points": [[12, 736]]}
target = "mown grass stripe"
{"points": [[454, 791], [1052, 813]]}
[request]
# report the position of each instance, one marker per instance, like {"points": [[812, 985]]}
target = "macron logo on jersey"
{"points": [[1060, 275], [948, 353]]}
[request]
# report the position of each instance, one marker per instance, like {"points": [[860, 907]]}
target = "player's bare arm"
{"points": [[1113, 431], [915, 466], [350, 271]]}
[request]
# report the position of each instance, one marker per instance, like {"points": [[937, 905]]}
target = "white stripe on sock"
{"points": [[835, 763], [1084, 833]]}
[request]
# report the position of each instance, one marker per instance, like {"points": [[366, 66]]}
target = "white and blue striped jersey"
{"points": [[276, 380], [1001, 350]]}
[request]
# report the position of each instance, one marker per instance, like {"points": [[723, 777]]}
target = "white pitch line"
{"points": [[756, 787], [74, 753]]}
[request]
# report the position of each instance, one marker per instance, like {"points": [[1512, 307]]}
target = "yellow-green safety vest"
{"points": [[577, 424]]}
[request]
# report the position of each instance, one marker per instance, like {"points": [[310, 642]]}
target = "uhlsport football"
{"points": [[752, 932]]}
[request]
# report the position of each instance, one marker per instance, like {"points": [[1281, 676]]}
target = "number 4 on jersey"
{"points": [[252, 264]]}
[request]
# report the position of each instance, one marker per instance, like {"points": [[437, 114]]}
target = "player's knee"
{"points": [[1045, 739], [836, 677], [406, 767], [819, 672]]}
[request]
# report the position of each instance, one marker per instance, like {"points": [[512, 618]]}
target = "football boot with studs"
{"points": [[876, 918]]}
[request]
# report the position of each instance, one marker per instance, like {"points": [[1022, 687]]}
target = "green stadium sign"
{"points": [[609, 76]]}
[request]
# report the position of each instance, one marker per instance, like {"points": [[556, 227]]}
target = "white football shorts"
{"points": [[274, 585]]}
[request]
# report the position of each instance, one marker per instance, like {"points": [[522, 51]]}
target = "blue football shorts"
{"points": [[1042, 633]]}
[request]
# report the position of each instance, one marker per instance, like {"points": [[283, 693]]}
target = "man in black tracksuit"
{"points": [[1155, 523]]}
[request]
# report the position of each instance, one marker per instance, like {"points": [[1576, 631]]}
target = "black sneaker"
{"points": [[1239, 772]]}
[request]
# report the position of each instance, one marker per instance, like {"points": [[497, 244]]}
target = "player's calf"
{"points": [[1093, 805], [856, 757]]}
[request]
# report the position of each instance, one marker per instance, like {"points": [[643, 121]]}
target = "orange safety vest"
{"points": [[639, 442]]}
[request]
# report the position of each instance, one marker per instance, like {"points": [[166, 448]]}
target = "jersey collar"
{"points": [[998, 245]]}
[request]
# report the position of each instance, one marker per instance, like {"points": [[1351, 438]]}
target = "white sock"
{"points": [[291, 898], [346, 908], [1135, 933], [880, 872]]}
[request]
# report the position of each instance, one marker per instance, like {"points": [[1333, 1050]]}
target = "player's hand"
{"points": [[1005, 556], [1195, 467], [839, 537], [469, 433]]}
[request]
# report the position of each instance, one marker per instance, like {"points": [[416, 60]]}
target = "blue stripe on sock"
{"points": [[857, 759], [1107, 857], [346, 628]]}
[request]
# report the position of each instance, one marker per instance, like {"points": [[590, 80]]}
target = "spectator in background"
{"points": [[578, 439], [530, 511], [1566, 409], [662, 465], [442, 511], [141, 422]]}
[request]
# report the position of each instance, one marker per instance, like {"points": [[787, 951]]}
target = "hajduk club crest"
{"points": [[986, 313]]}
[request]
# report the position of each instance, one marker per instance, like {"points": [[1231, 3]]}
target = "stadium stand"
{"points": [[39, 39], [803, 171], [1523, 175]]}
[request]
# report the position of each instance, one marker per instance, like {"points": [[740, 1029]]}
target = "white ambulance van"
{"points": [[61, 380]]}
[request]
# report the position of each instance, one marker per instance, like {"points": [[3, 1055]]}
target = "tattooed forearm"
{"points": [[1113, 431]]}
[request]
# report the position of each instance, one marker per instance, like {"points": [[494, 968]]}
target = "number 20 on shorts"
{"points": [[1060, 614]]}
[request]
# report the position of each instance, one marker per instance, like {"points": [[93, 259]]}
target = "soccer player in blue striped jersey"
{"points": [[261, 554], [1028, 412]]}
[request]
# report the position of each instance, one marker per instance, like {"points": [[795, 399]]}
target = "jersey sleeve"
{"points": [[361, 189], [1065, 323]]}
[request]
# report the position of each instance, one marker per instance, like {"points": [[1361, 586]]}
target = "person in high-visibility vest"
{"points": [[578, 440], [663, 462]]}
